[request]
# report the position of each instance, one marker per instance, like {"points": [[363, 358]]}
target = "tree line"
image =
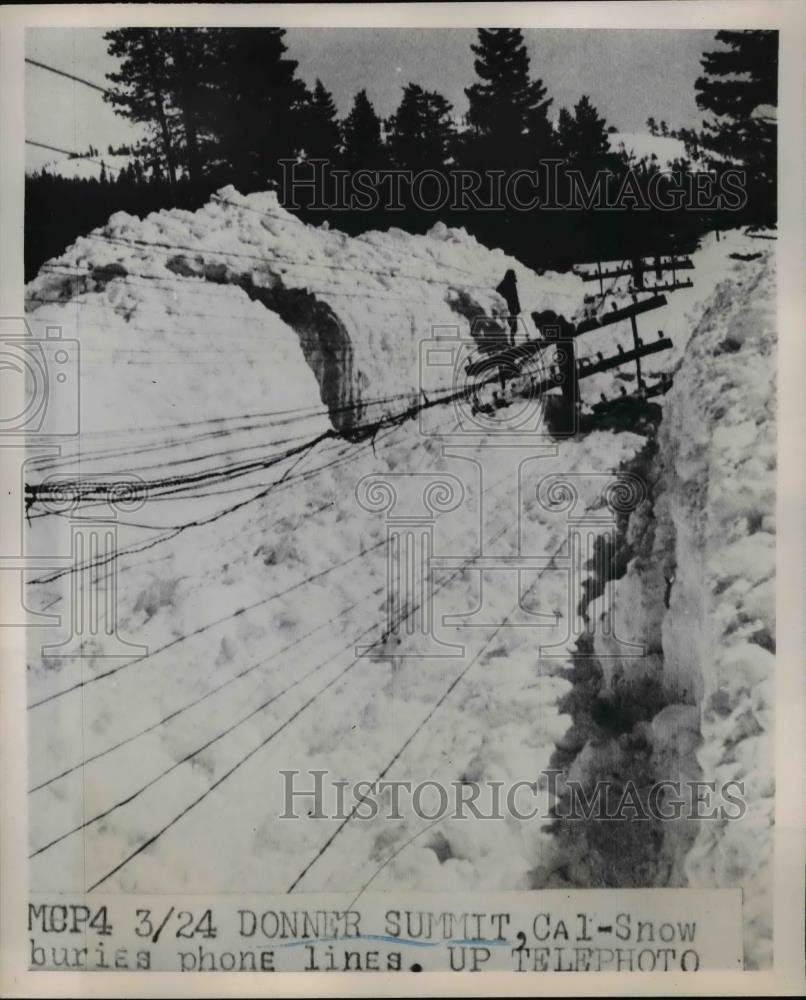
{"points": [[225, 106]]}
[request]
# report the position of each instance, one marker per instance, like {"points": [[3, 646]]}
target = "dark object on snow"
{"points": [[744, 256], [555, 330], [508, 289]]}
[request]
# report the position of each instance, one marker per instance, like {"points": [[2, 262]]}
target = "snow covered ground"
{"points": [[215, 346], [666, 148]]}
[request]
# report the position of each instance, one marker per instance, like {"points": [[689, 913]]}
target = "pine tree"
{"points": [[752, 56], [194, 66], [652, 125], [223, 98], [508, 113], [582, 137], [421, 132], [141, 89], [257, 105], [439, 129], [323, 135], [363, 143], [691, 141], [740, 87]]}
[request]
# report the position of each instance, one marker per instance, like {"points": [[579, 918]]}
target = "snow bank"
{"points": [[719, 441], [150, 351], [241, 273], [699, 594], [360, 306]]}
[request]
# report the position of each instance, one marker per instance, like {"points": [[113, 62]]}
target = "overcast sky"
{"points": [[629, 75]]}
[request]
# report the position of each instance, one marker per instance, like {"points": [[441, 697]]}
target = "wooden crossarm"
{"points": [[617, 315], [622, 358]]}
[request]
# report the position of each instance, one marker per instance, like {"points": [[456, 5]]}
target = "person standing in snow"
{"points": [[557, 336], [508, 289]]}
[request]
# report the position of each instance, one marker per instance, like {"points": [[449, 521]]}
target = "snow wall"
{"points": [[698, 592], [717, 506], [242, 269]]}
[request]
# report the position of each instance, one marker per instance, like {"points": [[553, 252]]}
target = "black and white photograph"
{"points": [[391, 541]]}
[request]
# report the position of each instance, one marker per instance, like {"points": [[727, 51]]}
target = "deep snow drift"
{"points": [[699, 593], [216, 344], [718, 441], [360, 305]]}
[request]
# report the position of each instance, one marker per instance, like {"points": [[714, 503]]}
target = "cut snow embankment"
{"points": [[360, 306], [699, 594], [241, 284], [718, 441]]}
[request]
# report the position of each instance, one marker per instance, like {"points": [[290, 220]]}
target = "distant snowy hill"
{"points": [[85, 167], [641, 145]]}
